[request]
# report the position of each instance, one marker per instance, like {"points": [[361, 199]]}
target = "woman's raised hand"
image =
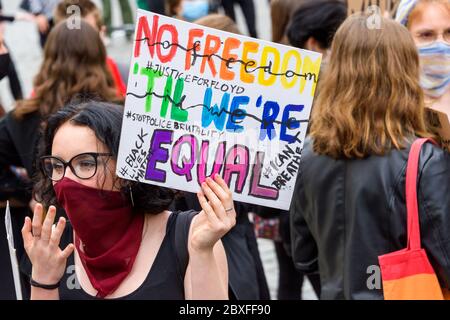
{"points": [[41, 242], [217, 217]]}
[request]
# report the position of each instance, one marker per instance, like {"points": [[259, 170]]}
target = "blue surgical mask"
{"points": [[195, 9], [435, 68]]}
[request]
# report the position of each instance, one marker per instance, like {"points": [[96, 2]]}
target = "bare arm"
{"points": [[207, 275], [3, 49], [207, 272], [44, 294]]}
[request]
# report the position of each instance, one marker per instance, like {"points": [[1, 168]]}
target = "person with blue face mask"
{"points": [[429, 24], [194, 9]]}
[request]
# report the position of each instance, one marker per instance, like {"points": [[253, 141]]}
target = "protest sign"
{"points": [[202, 101], [439, 120], [12, 253]]}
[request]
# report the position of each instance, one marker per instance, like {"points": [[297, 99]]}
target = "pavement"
{"points": [[22, 40]]}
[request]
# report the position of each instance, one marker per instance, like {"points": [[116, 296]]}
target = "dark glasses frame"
{"points": [[95, 155]]}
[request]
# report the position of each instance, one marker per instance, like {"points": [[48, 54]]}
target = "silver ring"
{"points": [[229, 209]]}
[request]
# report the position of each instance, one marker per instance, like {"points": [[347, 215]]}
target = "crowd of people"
{"points": [[130, 240]]}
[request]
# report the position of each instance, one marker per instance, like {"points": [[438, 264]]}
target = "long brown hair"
{"points": [[370, 99], [87, 7], [74, 65]]}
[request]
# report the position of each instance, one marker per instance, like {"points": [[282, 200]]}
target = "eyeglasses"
{"points": [[84, 165], [429, 36]]}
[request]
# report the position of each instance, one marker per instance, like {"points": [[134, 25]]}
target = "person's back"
{"points": [[356, 212], [349, 203]]}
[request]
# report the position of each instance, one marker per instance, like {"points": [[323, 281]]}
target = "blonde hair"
{"points": [[370, 99], [418, 9]]}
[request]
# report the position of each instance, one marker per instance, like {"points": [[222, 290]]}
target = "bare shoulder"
{"points": [[155, 224]]}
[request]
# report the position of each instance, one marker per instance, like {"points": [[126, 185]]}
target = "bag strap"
{"points": [[412, 171], [182, 226]]}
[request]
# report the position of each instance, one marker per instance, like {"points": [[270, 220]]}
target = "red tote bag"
{"points": [[407, 274]]}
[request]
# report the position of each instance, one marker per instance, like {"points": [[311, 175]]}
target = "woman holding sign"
{"points": [[125, 243], [349, 203]]}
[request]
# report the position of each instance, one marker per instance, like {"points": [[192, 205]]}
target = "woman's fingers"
{"points": [[227, 197], [37, 220], [48, 222], [217, 205], [218, 190], [27, 236], [67, 251], [57, 232], [207, 208], [225, 194], [223, 184], [214, 198]]}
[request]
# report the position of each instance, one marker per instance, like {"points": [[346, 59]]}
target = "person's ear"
{"points": [[313, 45]]}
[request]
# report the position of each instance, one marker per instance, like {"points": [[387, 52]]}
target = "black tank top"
{"points": [[165, 280]]}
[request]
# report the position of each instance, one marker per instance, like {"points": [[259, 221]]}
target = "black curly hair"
{"points": [[105, 119], [318, 19]]}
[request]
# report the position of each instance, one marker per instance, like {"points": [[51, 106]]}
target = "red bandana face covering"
{"points": [[107, 233]]}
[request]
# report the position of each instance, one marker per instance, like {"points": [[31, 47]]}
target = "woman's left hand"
{"points": [[217, 217]]}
